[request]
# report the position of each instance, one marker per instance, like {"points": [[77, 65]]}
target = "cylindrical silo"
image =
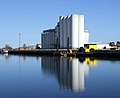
{"points": [[70, 21], [65, 32], [68, 31], [74, 31], [61, 31], [81, 31]]}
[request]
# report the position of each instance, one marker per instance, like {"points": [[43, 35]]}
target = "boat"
{"points": [[4, 51]]}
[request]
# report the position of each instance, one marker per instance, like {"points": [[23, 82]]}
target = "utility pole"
{"points": [[19, 40]]}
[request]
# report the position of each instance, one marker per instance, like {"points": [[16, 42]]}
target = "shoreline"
{"points": [[64, 52]]}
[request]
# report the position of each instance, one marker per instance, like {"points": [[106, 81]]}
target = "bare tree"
{"points": [[7, 46]]}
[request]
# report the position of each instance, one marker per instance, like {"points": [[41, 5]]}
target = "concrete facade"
{"points": [[69, 33], [48, 39]]}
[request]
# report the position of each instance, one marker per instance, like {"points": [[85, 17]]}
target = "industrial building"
{"points": [[48, 39], [69, 33]]}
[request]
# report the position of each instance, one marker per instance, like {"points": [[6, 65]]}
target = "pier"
{"points": [[66, 52], [100, 53], [57, 52]]}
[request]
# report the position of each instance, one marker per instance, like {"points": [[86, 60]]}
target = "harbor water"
{"points": [[58, 77]]}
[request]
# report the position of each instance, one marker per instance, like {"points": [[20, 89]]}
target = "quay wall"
{"points": [[96, 53]]}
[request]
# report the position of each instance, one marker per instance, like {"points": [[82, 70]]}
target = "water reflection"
{"points": [[70, 72], [6, 56], [51, 77]]}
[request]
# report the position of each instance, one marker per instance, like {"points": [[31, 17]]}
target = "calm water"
{"points": [[53, 77]]}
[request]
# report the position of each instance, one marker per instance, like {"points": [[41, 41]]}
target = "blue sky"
{"points": [[31, 17]]}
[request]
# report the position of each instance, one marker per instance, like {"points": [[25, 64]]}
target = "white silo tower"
{"points": [[72, 28], [74, 31], [61, 31], [69, 31], [81, 36], [65, 32]]}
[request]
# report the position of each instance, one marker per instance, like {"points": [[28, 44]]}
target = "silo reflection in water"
{"points": [[79, 71], [70, 73]]}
